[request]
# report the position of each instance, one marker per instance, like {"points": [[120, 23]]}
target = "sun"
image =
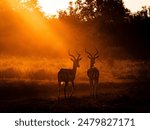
{"points": [[51, 7]]}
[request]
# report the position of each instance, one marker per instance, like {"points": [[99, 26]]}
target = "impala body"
{"points": [[68, 75], [93, 73]]}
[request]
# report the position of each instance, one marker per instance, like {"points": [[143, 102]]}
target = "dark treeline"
{"points": [[108, 22], [119, 26]]}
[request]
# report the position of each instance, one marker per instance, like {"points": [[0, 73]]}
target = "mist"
{"points": [[35, 47]]}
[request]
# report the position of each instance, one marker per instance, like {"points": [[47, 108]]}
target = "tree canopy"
{"points": [[107, 20]]}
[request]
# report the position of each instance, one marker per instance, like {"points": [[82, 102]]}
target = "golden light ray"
{"points": [[50, 7], [45, 31]]}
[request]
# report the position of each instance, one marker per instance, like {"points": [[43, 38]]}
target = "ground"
{"points": [[41, 97]]}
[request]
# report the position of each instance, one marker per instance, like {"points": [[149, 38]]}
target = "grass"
{"points": [[41, 96], [34, 68], [25, 86]]}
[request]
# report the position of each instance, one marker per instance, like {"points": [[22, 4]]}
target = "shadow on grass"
{"points": [[31, 97]]}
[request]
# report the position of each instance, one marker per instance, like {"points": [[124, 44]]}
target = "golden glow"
{"points": [[56, 36], [51, 7], [135, 5], [52, 35]]}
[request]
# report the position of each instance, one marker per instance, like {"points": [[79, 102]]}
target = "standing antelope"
{"points": [[93, 72], [68, 75]]}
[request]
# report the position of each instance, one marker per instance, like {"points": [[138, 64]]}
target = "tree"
{"points": [[30, 6], [70, 15]]}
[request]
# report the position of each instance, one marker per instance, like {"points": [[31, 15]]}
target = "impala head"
{"points": [[92, 57], [75, 59]]}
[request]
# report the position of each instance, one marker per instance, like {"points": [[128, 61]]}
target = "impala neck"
{"points": [[91, 65], [74, 68]]}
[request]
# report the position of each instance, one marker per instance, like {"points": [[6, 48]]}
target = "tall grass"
{"points": [[34, 68]]}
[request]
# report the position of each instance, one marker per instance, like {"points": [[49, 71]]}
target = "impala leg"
{"points": [[97, 84], [93, 85], [59, 85], [73, 89], [91, 91], [95, 91], [65, 87], [90, 87]]}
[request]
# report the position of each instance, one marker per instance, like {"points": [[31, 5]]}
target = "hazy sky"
{"points": [[135, 5], [52, 6]]}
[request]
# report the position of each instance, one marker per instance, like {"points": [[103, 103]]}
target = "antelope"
{"points": [[93, 73], [68, 75]]}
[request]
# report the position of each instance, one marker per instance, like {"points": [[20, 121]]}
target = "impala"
{"points": [[93, 72], [68, 75]]}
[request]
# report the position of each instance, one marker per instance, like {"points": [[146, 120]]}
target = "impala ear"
{"points": [[96, 57]]}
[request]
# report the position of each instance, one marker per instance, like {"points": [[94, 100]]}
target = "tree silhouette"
{"points": [[110, 17], [107, 20]]}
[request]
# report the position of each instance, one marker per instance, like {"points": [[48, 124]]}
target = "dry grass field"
{"points": [[41, 97], [30, 85]]}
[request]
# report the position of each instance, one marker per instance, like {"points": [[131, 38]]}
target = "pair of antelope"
{"points": [[68, 75]]}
